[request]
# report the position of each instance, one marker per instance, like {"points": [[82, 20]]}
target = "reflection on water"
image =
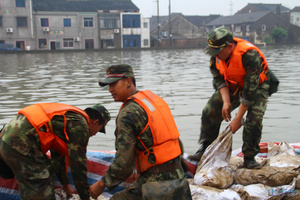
{"points": [[181, 77]]}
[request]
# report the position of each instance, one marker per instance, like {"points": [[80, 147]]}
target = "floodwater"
{"points": [[180, 76]]}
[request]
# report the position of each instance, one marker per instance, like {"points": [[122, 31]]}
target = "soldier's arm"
{"points": [[79, 133], [124, 162], [252, 63]]}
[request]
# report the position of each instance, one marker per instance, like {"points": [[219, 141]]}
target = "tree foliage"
{"points": [[279, 34]]}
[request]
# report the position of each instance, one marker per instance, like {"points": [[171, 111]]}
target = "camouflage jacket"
{"points": [[21, 136], [129, 123]]}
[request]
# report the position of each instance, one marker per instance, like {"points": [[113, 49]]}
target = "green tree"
{"points": [[279, 34]]}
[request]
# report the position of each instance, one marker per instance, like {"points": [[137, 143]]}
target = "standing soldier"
{"points": [[146, 138], [242, 79], [65, 131]]}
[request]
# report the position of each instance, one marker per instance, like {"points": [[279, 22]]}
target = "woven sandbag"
{"points": [[268, 175], [213, 167], [208, 193], [218, 177]]}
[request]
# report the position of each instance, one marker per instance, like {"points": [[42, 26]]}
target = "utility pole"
{"points": [[170, 25], [158, 25], [231, 5]]}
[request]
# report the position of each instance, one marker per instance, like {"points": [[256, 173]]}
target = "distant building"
{"points": [[70, 24], [255, 23], [178, 30], [16, 23], [254, 27], [295, 16], [277, 9]]}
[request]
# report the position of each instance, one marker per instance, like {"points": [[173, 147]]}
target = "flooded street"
{"points": [[180, 76]]}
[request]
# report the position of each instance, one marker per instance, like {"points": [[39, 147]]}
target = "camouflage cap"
{"points": [[115, 73], [217, 40], [104, 114]]}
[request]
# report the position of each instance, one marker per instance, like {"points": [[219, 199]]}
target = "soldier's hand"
{"points": [[69, 191], [235, 125], [226, 109], [96, 189]]}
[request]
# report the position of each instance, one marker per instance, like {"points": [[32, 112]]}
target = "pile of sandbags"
{"points": [[220, 175], [61, 195]]}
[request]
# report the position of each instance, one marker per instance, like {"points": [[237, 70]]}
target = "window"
{"points": [[145, 25], [237, 29], [146, 42], [20, 3], [42, 43], [264, 27], [89, 44], [68, 42], [248, 28], [67, 22], [0, 21], [131, 41], [109, 21], [131, 21], [21, 21], [88, 22], [44, 22]]}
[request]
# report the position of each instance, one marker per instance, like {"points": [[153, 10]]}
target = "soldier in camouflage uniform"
{"points": [[249, 92], [166, 179], [21, 154]]}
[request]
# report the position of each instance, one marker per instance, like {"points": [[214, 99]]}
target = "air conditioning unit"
{"points": [[9, 30], [76, 39], [116, 30], [46, 29]]}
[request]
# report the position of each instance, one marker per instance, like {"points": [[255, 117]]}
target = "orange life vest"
{"points": [[234, 73], [41, 114], [163, 128]]}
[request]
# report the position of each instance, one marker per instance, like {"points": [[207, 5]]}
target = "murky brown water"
{"points": [[181, 77]]}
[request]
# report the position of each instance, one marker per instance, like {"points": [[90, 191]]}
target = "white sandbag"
{"points": [[213, 167], [218, 153], [267, 175], [283, 191], [283, 148], [282, 155], [208, 193], [260, 191], [61, 195], [235, 162], [219, 177], [255, 191], [297, 182]]}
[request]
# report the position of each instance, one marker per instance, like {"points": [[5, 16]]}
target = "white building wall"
{"points": [[145, 35], [295, 18], [57, 32], [10, 33]]}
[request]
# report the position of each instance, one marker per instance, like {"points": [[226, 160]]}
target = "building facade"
{"points": [[16, 23], [295, 16], [67, 25]]}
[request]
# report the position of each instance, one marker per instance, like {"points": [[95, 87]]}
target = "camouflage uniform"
{"points": [[130, 122], [20, 149], [253, 95]]}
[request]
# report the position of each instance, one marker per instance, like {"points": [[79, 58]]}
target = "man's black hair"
{"points": [[94, 114]]}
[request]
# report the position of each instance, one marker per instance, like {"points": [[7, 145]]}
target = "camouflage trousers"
{"points": [[212, 118], [169, 185], [35, 181]]}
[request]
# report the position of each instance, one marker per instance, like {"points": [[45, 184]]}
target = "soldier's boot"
{"points": [[251, 163], [197, 156]]}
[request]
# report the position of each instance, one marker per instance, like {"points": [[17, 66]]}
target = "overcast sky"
{"points": [[202, 7]]}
